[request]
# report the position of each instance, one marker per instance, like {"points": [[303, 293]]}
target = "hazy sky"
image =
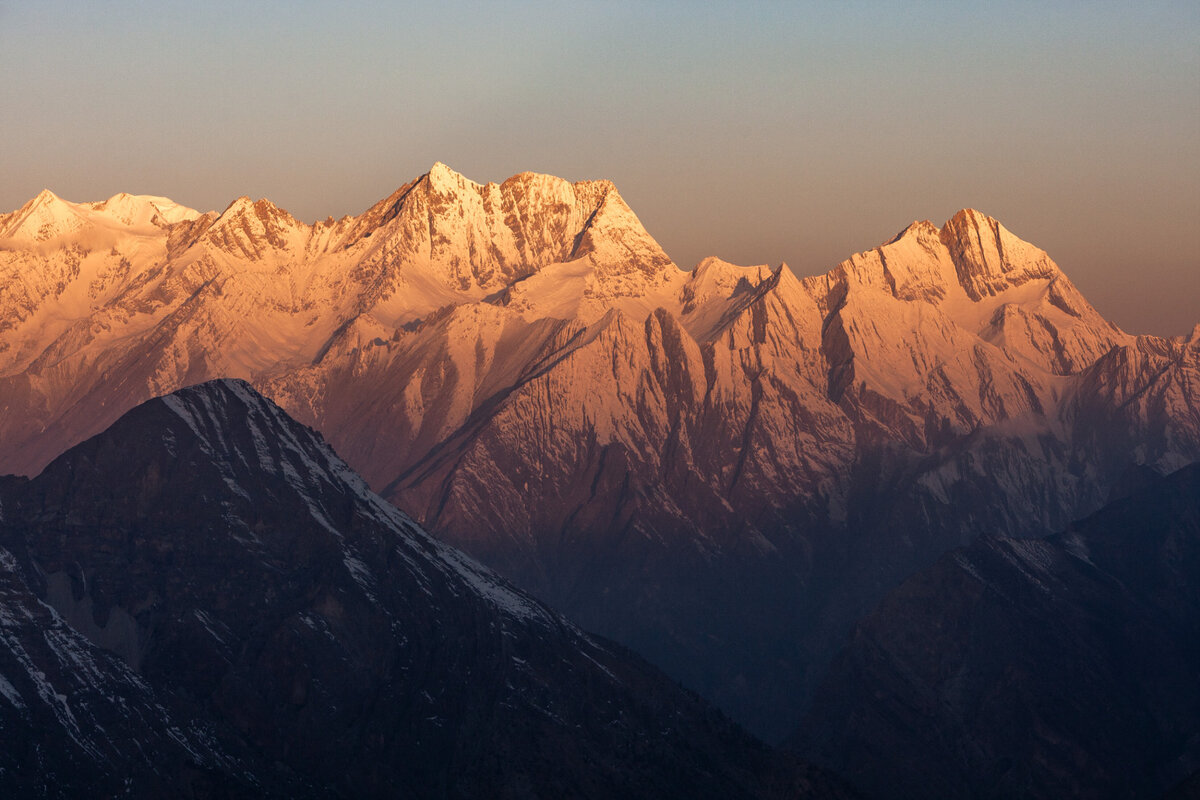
{"points": [[759, 132]]}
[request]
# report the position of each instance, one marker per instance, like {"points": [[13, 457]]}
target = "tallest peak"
{"points": [[442, 176], [988, 257], [970, 224]]}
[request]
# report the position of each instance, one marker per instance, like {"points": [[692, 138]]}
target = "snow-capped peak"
{"points": [[442, 178], [251, 228], [988, 258], [44, 197], [142, 209], [47, 216], [920, 229], [714, 278], [238, 206]]}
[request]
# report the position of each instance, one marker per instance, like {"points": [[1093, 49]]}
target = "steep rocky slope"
{"points": [[77, 720], [205, 599], [1059, 667], [720, 468]]}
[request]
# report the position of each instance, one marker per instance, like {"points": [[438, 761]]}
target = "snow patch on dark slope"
{"points": [[76, 720], [312, 470]]}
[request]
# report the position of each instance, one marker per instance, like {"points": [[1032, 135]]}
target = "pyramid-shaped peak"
{"points": [[239, 204], [251, 229], [205, 398], [969, 216], [262, 208], [972, 228], [222, 386], [45, 202], [217, 409], [46, 196], [443, 178], [919, 229], [969, 224], [441, 168], [988, 257], [44, 217]]}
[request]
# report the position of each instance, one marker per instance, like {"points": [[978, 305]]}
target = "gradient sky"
{"points": [[758, 132]]}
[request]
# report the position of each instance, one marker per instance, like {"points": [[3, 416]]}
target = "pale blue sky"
{"points": [[758, 132]]}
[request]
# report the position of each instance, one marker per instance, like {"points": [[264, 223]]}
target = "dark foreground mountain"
{"points": [[204, 600], [1061, 667]]}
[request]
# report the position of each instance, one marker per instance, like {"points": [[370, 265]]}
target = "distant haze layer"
{"points": [[757, 132]]}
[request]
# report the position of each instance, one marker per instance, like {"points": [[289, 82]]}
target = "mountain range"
{"points": [[721, 468]]}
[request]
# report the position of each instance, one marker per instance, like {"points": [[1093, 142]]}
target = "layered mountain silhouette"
{"points": [[204, 600], [1067, 666], [720, 468]]}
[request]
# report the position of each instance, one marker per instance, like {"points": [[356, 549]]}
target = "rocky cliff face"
{"points": [[1056, 667], [205, 598], [720, 468], [77, 720]]}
